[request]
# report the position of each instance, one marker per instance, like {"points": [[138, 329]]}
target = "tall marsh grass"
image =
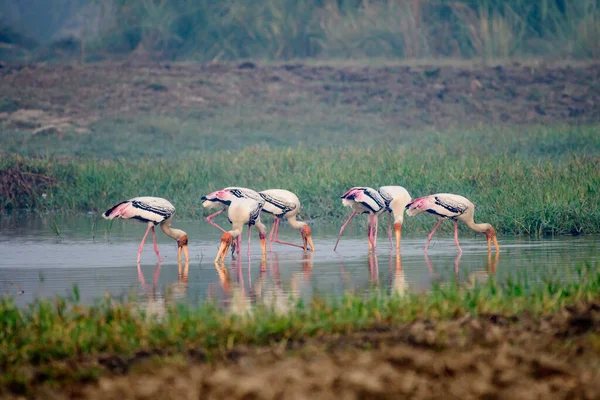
{"points": [[289, 29]]}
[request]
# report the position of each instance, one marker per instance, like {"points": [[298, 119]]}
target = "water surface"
{"points": [[48, 256]]}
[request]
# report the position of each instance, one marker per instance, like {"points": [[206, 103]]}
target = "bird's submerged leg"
{"points": [[431, 234], [343, 227], [210, 217], [155, 245], [142, 243], [456, 236]]}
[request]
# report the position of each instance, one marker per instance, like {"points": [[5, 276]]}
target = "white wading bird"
{"points": [[153, 211], [455, 208], [224, 197], [285, 204], [242, 212], [396, 198], [363, 200]]}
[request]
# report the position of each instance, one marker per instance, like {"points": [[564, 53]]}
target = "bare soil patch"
{"points": [[489, 356], [412, 97]]}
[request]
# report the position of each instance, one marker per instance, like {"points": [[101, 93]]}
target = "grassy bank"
{"points": [[529, 181], [66, 341]]}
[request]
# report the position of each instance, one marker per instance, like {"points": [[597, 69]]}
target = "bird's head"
{"points": [[182, 245], [226, 240], [307, 238], [490, 235]]}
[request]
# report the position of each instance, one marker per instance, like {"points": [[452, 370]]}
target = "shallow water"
{"points": [[99, 259]]}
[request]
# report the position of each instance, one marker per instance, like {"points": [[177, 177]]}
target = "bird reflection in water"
{"points": [[268, 290], [157, 301], [482, 275], [373, 268], [398, 284], [477, 275]]}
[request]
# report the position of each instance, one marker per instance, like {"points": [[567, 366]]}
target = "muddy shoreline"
{"points": [[489, 356], [413, 97]]}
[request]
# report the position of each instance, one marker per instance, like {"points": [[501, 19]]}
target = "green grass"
{"points": [[533, 180], [48, 338]]}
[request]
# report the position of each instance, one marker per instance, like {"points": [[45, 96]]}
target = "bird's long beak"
{"points": [[308, 243], [491, 235], [226, 240], [263, 244], [182, 245], [398, 232]]}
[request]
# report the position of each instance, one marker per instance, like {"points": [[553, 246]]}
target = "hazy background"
{"points": [[209, 30]]}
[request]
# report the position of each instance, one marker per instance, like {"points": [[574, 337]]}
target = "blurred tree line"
{"points": [[208, 30]]}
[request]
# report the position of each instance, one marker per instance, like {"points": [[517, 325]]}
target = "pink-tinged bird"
{"points": [[153, 211], [242, 212], [223, 198], [396, 198], [363, 200], [455, 208], [284, 204]]}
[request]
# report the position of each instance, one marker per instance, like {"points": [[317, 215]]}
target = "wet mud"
{"points": [[488, 356]]}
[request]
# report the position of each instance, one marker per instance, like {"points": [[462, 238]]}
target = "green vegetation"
{"points": [[528, 181], [286, 29], [64, 339]]}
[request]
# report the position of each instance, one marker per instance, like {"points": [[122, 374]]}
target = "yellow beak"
{"points": [[398, 232], [222, 251], [263, 245], [308, 243]]}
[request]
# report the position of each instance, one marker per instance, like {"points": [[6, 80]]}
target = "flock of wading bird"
{"points": [[244, 207]]}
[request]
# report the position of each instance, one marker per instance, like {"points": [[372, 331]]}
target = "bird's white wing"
{"points": [[278, 202]]}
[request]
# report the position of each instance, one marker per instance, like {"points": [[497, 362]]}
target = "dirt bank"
{"points": [[489, 356], [412, 97]]}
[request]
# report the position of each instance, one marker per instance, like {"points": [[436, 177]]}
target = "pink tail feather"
{"points": [[117, 211], [417, 206]]}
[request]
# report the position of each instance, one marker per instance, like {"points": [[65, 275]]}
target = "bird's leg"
{"points": [[142, 243], [276, 238], [431, 234], [376, 217], [210, 217], [155, 245], [239, 245], [271, 234], [370, 230], [456, 236], [249, 230], [390, 229], [280, 242], [342, 229]]}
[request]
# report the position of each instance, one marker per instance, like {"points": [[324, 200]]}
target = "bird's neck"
{"points": [[171, 232], [480, 228], [296, 224], [237, 229]]}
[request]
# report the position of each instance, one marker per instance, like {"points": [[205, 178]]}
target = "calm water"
{"points": [[100, 262]]}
